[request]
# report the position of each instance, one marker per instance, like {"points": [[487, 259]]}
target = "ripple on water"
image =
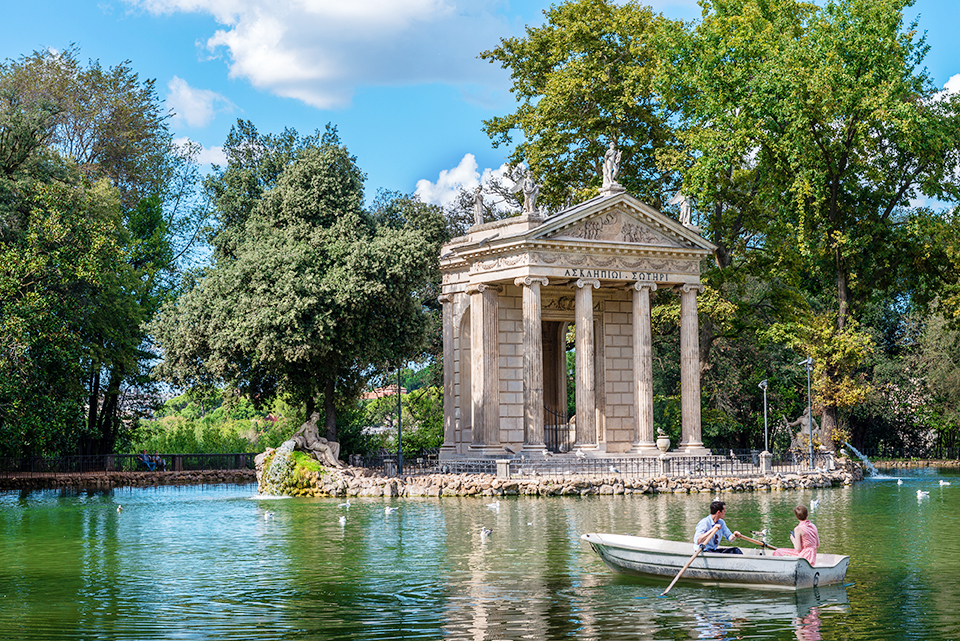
{"points": [[204, 563]]}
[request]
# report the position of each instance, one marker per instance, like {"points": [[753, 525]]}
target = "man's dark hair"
{"points": [[716, 506]]}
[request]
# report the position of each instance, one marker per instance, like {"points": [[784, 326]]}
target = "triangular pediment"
{"points": [[619, 219], [616, 226]]}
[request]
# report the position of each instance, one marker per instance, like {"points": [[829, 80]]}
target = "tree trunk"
{"points": [[329, 409], [828, 421], [707, 337], [93, 400]]}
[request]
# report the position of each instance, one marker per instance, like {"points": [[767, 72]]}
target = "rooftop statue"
{"points": [[611, 166], [681, 200], [530, 192], [478, 206]]}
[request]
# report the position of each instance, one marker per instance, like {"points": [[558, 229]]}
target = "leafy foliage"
{"points": [[582, 79], [308, 291], [88, 147]]}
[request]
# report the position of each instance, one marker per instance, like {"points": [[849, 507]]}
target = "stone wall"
{"points": [[108, 480], [619, 411], [359, 482], [510, 322]]}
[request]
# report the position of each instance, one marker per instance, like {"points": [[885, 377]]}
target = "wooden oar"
{"points": [[683, 569], [756, 542]]}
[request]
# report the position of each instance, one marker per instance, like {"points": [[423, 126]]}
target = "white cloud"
{"points": [[953, 85], [466, 176], [320, 51], [444, 191], [212, 156], [205, 155], [195, 107]]}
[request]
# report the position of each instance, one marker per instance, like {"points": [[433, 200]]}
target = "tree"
{"points": [[307, 291], [53, 269], [111, 127], [583, 79], [825, 113]]}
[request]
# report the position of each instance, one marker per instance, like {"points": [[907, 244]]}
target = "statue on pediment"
{"points": [[681, 200], [611, 166]]}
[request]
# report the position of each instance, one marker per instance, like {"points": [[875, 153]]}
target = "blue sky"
{"points": [[400, 78]]}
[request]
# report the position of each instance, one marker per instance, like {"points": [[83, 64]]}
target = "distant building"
{"points": [[380, 392]]}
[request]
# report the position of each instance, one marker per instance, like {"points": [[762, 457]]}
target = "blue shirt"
{"points": [[705, 525]]}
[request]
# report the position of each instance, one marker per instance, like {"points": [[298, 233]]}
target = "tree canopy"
{"points": [[96, 217], [586, 77], [805, 134], [307, 290]]}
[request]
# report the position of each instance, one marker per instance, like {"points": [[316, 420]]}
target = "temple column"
{"points": [[532, 365], [644, 441], [690, 442], [449, 449], [586, 367], [485, 365]]}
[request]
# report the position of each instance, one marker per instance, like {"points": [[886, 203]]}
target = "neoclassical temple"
{"points": [[511, 289]]}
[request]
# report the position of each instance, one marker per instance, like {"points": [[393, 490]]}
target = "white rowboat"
{"points": [[754, 568]]}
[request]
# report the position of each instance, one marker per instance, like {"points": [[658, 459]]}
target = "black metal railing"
{"points": [[43, 465], [556, 430], [743, 463]]}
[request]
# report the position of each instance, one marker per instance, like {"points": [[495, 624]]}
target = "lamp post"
{"points": [[766, 443], [808, 365], [399, 427]]}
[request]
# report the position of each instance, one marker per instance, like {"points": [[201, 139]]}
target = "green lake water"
{"points": [[218, 562]]}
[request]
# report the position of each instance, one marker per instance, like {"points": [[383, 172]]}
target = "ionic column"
{"points": [[644, 441], [532, 365], [586, 368], [485, 364], [449, 448], [690, 370]]}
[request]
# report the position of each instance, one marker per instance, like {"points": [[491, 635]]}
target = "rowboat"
{"points": [[755, 568]]}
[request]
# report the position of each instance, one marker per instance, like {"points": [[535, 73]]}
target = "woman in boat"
{"points": [[804, 537]]}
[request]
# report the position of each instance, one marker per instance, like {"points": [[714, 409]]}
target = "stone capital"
{"points": [[690, 287], [482, 287], [642, 285], [445, 298], [530, 280], [588, 282]]}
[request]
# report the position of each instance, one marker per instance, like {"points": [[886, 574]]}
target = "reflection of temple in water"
{"points": [[511, 290]]}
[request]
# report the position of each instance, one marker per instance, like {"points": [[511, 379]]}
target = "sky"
{"points": [[401, 79]]}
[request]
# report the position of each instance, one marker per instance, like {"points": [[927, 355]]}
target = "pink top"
{"points": [[809, 542]]}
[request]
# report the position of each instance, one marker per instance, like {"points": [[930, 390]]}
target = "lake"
{"points": [[218, 562]]}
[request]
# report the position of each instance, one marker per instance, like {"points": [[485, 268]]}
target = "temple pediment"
{"points": [[619, 219], [615, 226]]}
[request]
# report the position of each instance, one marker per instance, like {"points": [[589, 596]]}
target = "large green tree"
{"points": [[109, 127], [307, 291], [62, 247], [583, 79], [826, 115]]}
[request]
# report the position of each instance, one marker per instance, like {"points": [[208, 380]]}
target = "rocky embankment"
{"points": [[360, 482], [106, 480]]}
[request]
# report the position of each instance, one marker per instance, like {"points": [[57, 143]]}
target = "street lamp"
{"points": [[808, 365], [399, 427], [766, 444]]}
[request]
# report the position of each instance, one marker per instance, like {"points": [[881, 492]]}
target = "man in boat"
{"points": [[712, 529]]}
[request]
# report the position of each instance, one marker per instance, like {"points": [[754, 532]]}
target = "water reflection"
{"points": [[201, 563]]}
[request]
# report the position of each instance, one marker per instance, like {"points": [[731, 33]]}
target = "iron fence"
{"points": [[557, 432], [45, 466], [740, 463]]}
